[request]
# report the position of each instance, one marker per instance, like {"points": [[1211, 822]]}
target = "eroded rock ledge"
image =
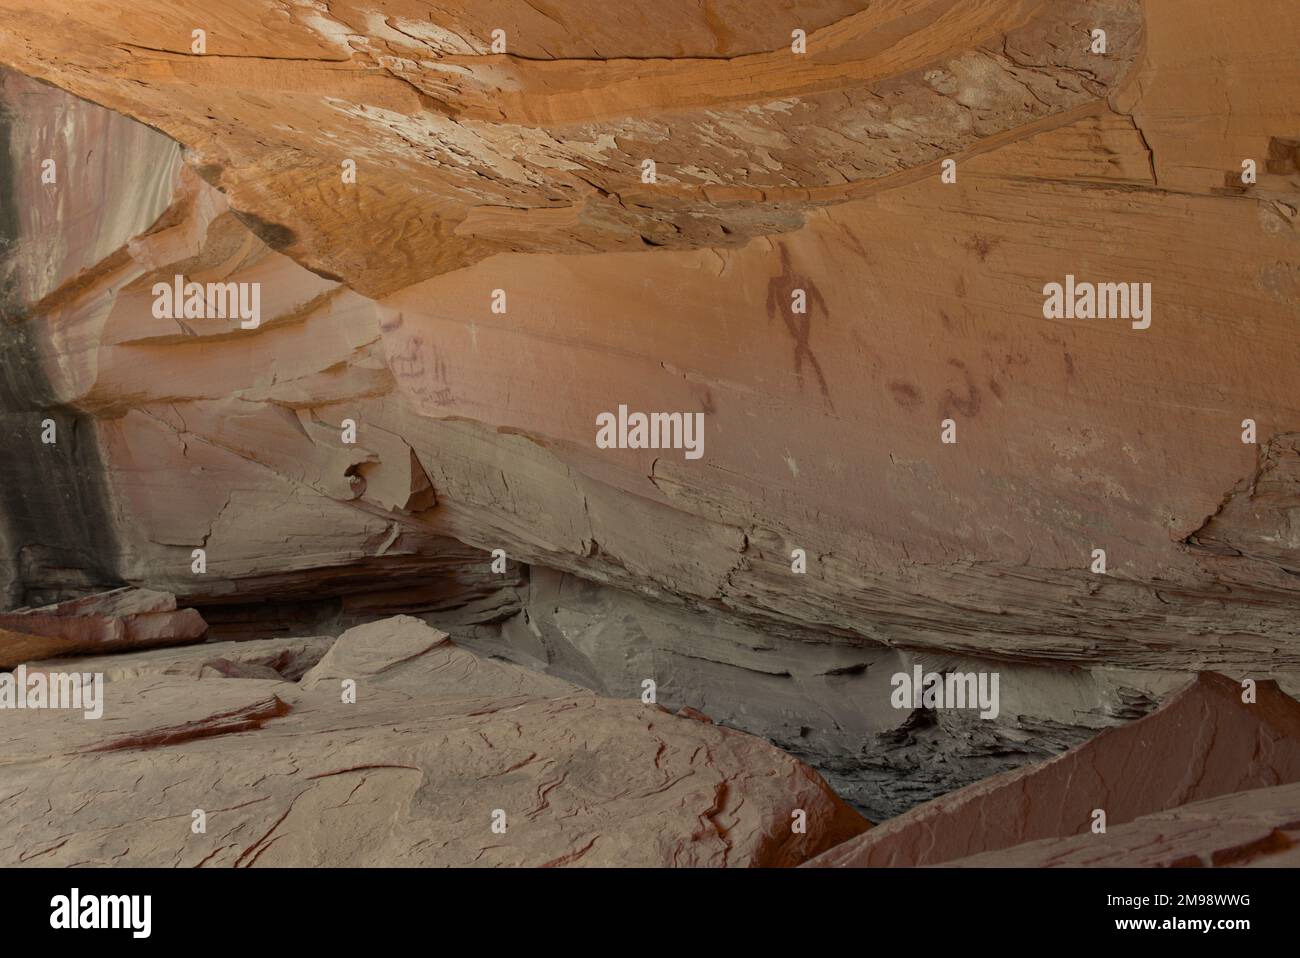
{"points": [[462, 153]]}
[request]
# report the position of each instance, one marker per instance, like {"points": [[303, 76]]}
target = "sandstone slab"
{"points": [[1254, 829], [286, 659], [123, 619], [414, 773], [1202, 743]]}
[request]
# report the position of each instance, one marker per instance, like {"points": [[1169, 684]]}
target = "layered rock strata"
{"points": [[287, 659], [464, 151]]}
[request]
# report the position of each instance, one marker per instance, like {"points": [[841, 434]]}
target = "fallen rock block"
{"points": [[1259, 828], [124, 618], [275, 659], [116, 602], [398, 748], [1204, 742]]}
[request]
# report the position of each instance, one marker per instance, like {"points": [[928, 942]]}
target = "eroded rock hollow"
{"points": [[334, 319]]}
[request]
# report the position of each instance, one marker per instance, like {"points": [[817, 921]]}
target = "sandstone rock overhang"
{"points": [[925, 304], [461, 152]]}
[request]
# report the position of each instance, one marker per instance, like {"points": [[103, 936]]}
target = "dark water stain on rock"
{"points": [[275, 235], [210, 173], [57, 538]]}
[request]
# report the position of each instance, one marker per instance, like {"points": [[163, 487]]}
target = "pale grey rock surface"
{"points": [[285, 659], [411, 774]]}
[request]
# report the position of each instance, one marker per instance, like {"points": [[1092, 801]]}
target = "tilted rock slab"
{"points": [[287, 659], [411, 774], [462, 150], [122, 619], [1255, 829], [1203, 742]]}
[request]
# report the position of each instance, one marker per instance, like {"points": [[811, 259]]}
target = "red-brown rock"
{"points": [[124, 619], [1204, 742]]}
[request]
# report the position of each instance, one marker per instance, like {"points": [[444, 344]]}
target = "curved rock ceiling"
{"points": [[462, 153], [502, 271]]}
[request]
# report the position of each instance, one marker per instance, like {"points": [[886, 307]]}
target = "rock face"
{"points": [[415, 772], [109, 622], [1256, 829], [287, 659], [464, 150], [54, 521], [1204, 742], [463, 261]]}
